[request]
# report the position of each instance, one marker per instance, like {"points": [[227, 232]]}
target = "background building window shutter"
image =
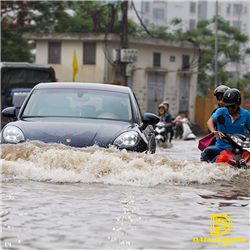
{"points": [[157, 60], [54, 52], [89, 53], [185, 61]]}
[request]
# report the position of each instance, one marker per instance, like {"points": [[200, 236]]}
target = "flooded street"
{"points": [[57, 197]]}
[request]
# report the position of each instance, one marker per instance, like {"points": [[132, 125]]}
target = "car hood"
{"points": [[73, 132]]}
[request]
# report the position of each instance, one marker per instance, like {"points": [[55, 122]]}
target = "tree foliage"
{"points": [[230, 40], [26, 16], [94, 17], [54, 16]]}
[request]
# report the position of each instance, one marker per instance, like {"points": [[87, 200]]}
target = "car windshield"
{"points": [[79, 103]]}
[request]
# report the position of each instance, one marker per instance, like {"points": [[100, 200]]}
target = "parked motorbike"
{"points": [[237, 156], [187, 132], [162, 138]]}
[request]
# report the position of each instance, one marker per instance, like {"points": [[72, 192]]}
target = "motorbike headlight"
{"points": [[127, 139], [237, 140], [246, 144], [12, 134]]}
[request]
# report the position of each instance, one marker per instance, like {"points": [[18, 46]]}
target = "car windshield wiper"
{"points": [[33, 116]]}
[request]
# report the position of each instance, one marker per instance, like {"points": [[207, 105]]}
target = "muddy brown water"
{"points": [[57, 197]]}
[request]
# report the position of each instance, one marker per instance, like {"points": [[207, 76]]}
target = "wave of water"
{"points": [[62, 164]]}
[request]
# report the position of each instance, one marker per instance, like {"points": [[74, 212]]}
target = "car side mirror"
{"points": [[9, 112], [148, 119]]}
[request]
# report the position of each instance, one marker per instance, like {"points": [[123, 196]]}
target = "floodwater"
{"points": [[57, 197]]}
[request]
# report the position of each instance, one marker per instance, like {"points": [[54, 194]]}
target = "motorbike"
{"points": [[237, 156], [162, 138], [187, 132]]}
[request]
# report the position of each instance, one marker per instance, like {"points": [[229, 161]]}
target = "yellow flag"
{"points": [[75, 66]]}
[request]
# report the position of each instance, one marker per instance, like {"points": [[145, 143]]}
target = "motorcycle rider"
{"points": [[179, 129], [161, 112], [168, 119], [218, 93], [237, 120], [165, 117]]}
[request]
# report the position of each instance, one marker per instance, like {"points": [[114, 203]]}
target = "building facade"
{"points": [[160, 13], [158, 73]]}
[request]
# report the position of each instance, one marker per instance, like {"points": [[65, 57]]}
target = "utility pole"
{"points": [[237, 64], [124, 36], [125, 25], [216, 49], [216, 53]]}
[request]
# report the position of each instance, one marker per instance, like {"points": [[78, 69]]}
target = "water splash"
{"points": [[63, 164]]}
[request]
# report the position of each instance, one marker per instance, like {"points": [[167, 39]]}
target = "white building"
{"points": [[160, 13], [161, 71]]}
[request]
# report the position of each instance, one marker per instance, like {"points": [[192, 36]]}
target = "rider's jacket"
{"points": [[237, 126], [166, 117]]}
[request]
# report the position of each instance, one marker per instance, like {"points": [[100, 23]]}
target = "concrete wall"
{"points": [[86, 73]]}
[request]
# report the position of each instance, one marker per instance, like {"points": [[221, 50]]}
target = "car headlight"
{"points": [[12, 134], [127, 139]]}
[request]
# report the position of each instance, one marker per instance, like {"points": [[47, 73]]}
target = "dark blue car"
{"points": [[82, 115]]}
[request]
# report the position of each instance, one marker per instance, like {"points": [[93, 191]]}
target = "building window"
{"points": [[237, 24], [157, 60], [245, 10], [172, 58], [89, 53], [199, 9], [146, 22], [229, 9], [54, 52], [192, 7], [158, 13], [191, 23], [245, 27], [146, 6], [219, 9], [185, 61], [237, 8]]}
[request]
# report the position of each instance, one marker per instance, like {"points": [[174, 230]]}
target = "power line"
{"points": [[142, 24]]}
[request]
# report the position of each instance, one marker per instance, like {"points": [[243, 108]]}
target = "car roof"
{"points": [[85, 85], [19, 89]]}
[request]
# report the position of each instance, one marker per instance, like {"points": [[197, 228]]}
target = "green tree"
{"points": [[22, 16], [94, 17], [54, 16], [230, 40]]}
